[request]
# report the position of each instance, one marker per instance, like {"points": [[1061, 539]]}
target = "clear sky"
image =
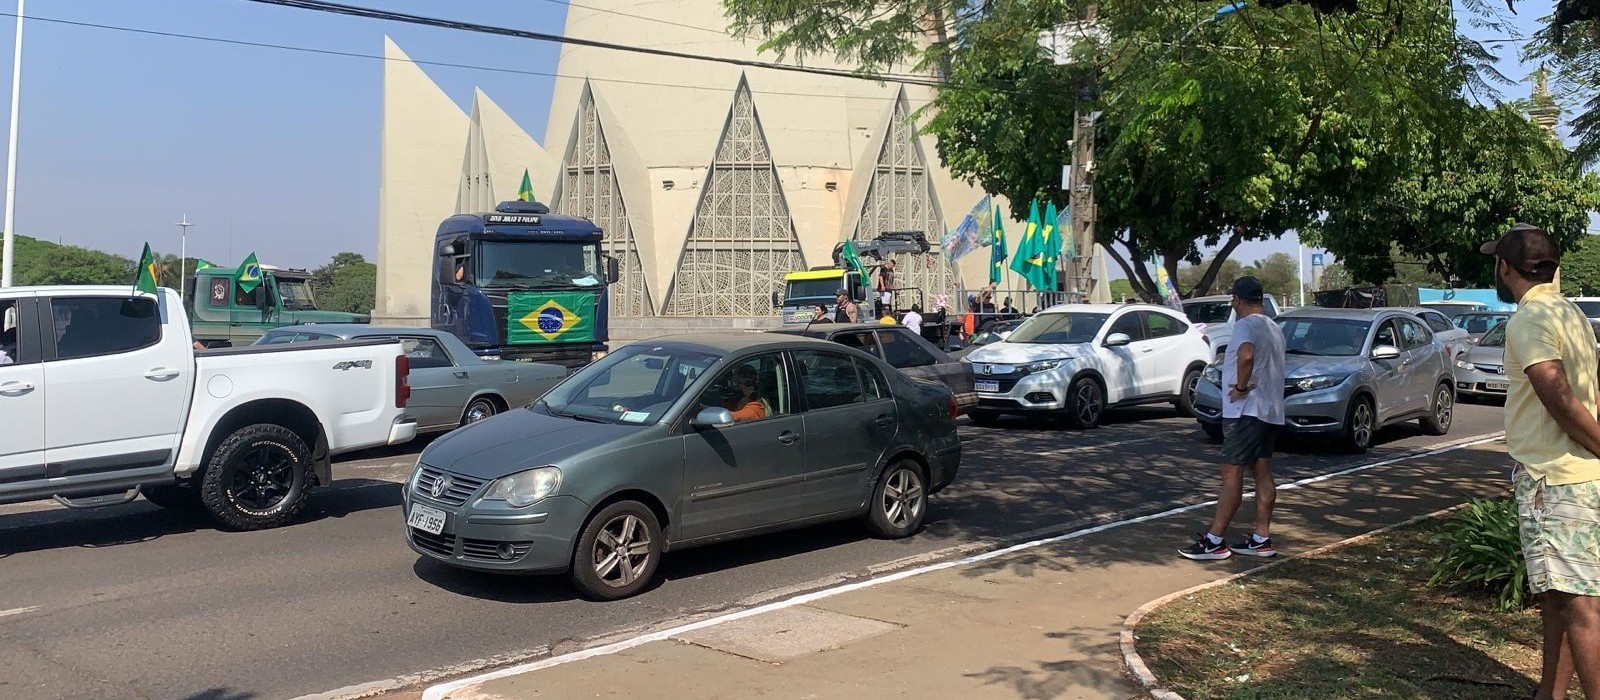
{"points": [[264, 150]]}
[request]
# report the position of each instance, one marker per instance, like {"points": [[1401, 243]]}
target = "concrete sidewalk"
{"points": [[1039, 622]]}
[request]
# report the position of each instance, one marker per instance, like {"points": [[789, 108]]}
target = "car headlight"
{"points": [[1463, 364], [1212, 374], [525, 488], [1319, 382], [1040, 366], [416, 473]]}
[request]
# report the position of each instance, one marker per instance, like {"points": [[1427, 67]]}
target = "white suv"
{"points": [[1080, 359]]}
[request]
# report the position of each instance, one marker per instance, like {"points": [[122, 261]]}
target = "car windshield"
{"points": [[632, 386], [812, 290], [1478, 324], [1059, 328], [1324, 337], [1453, 310], [1495, 338], [1208, 311], [538, 263], [1590, 308]]}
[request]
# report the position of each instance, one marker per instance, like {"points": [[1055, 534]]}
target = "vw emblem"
{"points": [[988, 369], [439, 487]]}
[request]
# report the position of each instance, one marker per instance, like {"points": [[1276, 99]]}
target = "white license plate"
{"points": [[987, 385], [429, 520], [1496, 386]]}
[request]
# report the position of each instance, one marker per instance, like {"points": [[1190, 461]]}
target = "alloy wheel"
{"points": [[622, 551], [262, 478], [902, 498], [1088, 403], [1444, 408], [1361, 428]]}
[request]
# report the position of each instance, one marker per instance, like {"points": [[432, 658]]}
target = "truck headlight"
{"points": [[524, 489]]}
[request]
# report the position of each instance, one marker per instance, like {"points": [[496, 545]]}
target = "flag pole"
{"points": [[183, 254], [8, 251]]}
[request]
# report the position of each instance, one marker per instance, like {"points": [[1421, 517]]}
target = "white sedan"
{"points": [[1077, 360]]}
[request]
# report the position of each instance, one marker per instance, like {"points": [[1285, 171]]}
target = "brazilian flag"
{"points": [[248, 277], [536, 318], [525, 192], [145, 278]]}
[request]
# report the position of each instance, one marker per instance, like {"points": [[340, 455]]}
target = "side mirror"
{"points": [[713, 418], [1117, 340], [1385, 352], [449, 250], [613, 270], [776, 302]]}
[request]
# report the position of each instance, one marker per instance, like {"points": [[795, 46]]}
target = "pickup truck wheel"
{"points": [[178, 499], [258, 478]]}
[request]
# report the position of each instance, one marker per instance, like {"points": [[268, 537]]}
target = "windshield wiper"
{"points": [[1297, 351], [574, 416]]}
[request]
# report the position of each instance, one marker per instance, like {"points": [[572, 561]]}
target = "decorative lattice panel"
{"points": [[588, 188], [901, 198], [742, 240]]}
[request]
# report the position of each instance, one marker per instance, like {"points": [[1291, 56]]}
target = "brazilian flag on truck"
{"points": [[535, 318]]}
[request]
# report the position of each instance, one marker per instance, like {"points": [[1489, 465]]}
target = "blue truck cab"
{"points": [[520, 283]]}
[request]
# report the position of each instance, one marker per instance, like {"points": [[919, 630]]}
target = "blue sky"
{"points": [[264, 150]]}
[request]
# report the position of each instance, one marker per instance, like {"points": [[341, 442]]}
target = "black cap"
{"points": [[842, 293], [1249, 289], [1527, 248]]}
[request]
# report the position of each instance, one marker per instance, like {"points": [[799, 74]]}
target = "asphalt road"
{"points": [[135, 602]]}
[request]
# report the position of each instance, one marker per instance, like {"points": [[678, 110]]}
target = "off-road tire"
{"points": [[224, 501]]}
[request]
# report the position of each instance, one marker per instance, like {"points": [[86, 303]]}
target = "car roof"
{"points": [[1104, 308], [1352, 314], [818, 330], [734, 341]]}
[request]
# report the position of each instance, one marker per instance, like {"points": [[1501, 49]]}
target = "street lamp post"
{"points": [[8, 248], [183, 253]]}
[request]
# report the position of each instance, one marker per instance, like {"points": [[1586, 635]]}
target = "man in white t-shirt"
{"points": [[1252, 413], [913, 319]]}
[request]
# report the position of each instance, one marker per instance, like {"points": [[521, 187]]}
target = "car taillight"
{"points": [[951, 403], [402, 381]]}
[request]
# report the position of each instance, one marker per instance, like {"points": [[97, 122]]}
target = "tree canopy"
{"points": [[42, 262], [346, 283]]}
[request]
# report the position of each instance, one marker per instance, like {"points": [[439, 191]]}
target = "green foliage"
{"points": [[1580, 269], [42, 262], [1482, 552], [1335, 276], [1279, 275], [346, 283], [1190, 276], [1122, 289]]}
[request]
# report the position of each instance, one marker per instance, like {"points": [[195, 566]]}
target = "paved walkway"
{"points": [[1035, 623]]}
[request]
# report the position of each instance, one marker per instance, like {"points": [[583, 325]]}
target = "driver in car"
{"points": [[742, 398]]}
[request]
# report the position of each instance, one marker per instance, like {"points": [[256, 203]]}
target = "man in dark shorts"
{"points": [[1252, 413]]}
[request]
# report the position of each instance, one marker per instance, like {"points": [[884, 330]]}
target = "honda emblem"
{"points": [[988, 369]]}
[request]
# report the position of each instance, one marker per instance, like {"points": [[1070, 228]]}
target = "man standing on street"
{"points": [[1252, 414], [1553, 437]]}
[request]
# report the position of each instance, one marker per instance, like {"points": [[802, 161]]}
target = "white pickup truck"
{"points": [[103, 396]]}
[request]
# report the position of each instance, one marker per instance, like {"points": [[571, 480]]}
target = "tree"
{"points": [[1122, 289], [346, 283], [1334, 276], [42, 262], [1189, 277], [1278, 274], [1580, 269]]}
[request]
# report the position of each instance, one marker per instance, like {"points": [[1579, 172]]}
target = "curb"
{"points": [[1128, 638]]}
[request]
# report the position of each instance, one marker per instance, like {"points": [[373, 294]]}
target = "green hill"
{"points": [[43, 262]]}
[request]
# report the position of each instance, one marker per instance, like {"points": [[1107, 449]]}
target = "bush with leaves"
{"points": [[1483, 553]]}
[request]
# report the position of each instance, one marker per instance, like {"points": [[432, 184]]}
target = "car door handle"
{"points": [[884, 421], [461, 375], [1146, 350], [15, 388], [160, 374], [788, 437]]}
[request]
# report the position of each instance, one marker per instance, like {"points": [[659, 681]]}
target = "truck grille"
{"points": [[455, 491]]}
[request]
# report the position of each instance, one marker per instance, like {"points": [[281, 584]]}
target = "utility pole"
{"points": [[183, 254], [1078, 179], [8, 248]]}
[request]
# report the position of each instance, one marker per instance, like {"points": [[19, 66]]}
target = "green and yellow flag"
{"points": [[1029, 260], [525, 193], [537, 318], [202, 263], [1050, 245], [248, 276], [144, 279], [853, 259], [997, 253]]}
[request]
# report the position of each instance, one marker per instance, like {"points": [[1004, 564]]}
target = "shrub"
{"points": [[1483, 552]]}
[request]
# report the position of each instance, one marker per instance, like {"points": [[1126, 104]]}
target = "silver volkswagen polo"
{"points": [[682, 441]]}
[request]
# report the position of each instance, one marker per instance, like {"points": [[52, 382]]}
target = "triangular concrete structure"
{"points": [[475, 191], [424, 133], [512, 151]]}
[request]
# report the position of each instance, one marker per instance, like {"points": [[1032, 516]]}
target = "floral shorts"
{"points": [[1560, 532]]}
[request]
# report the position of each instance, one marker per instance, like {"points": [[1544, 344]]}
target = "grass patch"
{"points": [[1356, 622]]}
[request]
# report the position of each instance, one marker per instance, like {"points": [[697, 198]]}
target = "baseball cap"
{"points": [[842, 293], [1248, 288], [1525, 247]]}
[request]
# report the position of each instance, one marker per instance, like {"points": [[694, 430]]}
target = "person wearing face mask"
{"points": [[1554, 438], [1252, 415]]}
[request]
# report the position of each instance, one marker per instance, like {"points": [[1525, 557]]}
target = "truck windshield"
{"points": [[296, 295], [538, 264], [812, 290]]}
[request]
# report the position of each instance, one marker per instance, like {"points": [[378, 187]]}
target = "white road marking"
{"points": [[443, 691], [18, 611]]}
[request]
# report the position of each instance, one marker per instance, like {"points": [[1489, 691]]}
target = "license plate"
{"points": [[1496, 386], [987, 385], [429, 520]]}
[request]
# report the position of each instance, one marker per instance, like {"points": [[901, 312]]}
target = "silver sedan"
{"points": [[450, 386], [1481, 370]]}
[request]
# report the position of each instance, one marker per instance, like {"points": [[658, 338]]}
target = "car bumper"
{"points": [[403, 430], [1313, 412], [1477, 382], [536, 539], [1040, 391], [943, 461]]}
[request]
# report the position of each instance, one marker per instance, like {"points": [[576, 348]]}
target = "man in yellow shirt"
{"points": [[1554, 436]]}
